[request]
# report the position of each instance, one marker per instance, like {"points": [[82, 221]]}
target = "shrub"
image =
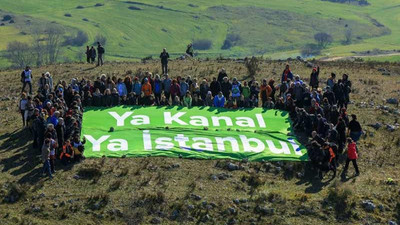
{"points": [[99, 4], [80, 7], [340, 200], [80, 39], [231, 40], [252, 65], [67, 15], [202, 44], [134, 8], [310, 50], [85, 19], [7, 18], [323, 39], [100, 38]]}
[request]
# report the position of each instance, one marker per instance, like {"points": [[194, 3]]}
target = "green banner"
{"points": [[199, 132]]}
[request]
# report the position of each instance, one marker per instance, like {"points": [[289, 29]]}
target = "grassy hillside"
{"points": [[274, 28], [181, 191]]}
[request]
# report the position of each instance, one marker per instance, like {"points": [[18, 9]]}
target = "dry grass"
{"points": [[151, 189]]}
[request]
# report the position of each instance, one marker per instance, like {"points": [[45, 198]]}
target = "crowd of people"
{"points": [[54, 114]]}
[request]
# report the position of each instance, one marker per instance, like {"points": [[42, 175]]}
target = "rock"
{"points": [[309, 65], [278, 169], [376, 126], [205, 218], [62, 203], [232, 221], [236, 201], [301, 212], [35, 209], [87, 211], [232, 210], [392, 101], [76, 177], [100, 216], [155, 220], [223, 176], [55, 205], [174, 215], [268, 166], [232, 166], [299, 175], [175, 165], [391, 222], [368, 205], [196, 197], [42, 195], [381, 207], [243, 200], [96, 206], [214, 177], [265, 211], [386, 73], [390, 128], [190, 207]]}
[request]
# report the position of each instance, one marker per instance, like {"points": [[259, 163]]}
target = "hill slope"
{"points": [[180, 191], [136, 29]]}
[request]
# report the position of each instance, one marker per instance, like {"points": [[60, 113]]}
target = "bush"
{"points": [[230, 41], [134, 8], [99, 4], [7, 18], [100, 38], [340, 199], [80, 7], [310, 50], [202, 44], [67, 15], [252, 65], [323, 39], [80, 39]]}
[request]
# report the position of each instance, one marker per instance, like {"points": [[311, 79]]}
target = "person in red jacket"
{"points": [[351, 156]]}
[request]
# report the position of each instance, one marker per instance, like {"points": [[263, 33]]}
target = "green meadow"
{"points": [[273, 28]]}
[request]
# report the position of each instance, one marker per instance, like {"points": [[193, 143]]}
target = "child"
{"points": [[351, 156]]}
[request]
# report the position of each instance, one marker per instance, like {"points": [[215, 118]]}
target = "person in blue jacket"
{"points": [[121, 87], [219, 100], [157, 89]]}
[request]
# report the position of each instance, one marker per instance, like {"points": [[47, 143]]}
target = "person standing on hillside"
{"points": [[314, 78], [26, 79], [100, 53], [189, 50], [88, 54], [287, 74], [92, 54], [351, 156], [164, 56], [221, 75]]}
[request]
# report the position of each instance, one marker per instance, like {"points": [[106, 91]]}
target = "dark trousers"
{"points": [[88, 59], [164, 68], [167, 95], [52, 164], [100, 60], [354, 161], [30, 86], [93, 59], [157, 98]]}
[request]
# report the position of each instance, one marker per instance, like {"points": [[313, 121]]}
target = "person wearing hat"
{"points": [[314, 78]]}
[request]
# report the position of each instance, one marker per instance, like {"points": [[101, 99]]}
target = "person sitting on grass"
{"points": [[219, 100], [187, 100], [67, 153]]}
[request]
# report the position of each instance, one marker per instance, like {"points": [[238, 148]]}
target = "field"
{"points": [[182, 191], [274, 28]]}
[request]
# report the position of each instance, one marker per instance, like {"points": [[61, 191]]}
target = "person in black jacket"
{"points": [[92, 54], [215, 87], [88, 54], [221, 75], [100, 53], [164, 56]]}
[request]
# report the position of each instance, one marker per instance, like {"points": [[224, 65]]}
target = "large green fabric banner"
{"points": [[199, 132]]}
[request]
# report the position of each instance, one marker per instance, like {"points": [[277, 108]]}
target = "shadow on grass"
{"points": [[315, 184], [21, 158]]}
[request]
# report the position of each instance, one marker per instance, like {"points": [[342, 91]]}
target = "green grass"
{"points": [[141, 188], [274, 28]]}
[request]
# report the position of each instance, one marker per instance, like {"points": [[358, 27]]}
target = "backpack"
{"points": [[101, 50]]}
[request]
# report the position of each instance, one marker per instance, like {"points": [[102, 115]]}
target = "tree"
{"points": [[100, 38], [347, 35], [38, 47], [323, 39], [53, 36], [19, 53], [310, 50], [252, 65]]}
